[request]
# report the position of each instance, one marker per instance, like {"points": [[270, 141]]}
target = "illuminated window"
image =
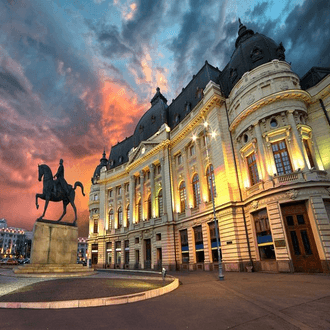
{"points": [[253, 169], [111, 215], [281, 157], [210, 178], [309, 153], [160, 203], [120, 217], [182, 193], [196, 192], [264, 236]]}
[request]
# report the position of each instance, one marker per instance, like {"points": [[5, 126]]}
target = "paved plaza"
{"points": [[242, 301]]}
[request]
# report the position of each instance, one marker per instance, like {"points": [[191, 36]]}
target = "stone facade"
{"points": [[264, 148]]}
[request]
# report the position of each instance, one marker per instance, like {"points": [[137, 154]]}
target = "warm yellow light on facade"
{"points": [[194, 137]]}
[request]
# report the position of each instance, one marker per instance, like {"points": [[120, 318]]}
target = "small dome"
{"points": [[103, 162], [252, 50]]}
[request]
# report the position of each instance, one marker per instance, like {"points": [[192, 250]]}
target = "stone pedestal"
{"points": [[54, 249]]}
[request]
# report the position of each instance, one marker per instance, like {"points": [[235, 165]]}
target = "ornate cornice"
{"points": [[201, 109], [279, 96]]}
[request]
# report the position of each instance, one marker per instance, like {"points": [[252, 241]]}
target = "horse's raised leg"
{"points": [[45, 208], [38, 196], [65, 203]]}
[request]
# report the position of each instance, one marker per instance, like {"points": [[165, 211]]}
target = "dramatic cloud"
{"points": [[75, 77]]}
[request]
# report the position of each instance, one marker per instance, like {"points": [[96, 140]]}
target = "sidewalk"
{"points": [[241, 301]]}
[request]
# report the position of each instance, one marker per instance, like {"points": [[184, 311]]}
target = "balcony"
{"points": [[287, 179]]}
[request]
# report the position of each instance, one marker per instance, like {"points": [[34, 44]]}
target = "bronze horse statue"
{"points": [[48, 192]]}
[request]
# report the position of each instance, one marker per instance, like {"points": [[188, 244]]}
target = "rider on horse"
{"points": [[60, 179]]}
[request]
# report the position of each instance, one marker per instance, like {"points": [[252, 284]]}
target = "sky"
{"points": [[76, 76]]}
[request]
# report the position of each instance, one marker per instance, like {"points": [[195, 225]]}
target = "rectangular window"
{"points": [[119, 190], [192, 150], [110, 193], [199, 246], [281, 157], [264, 235], [309, 153], [95, 226], [179, 159], [253, 169], [213, 238], [184, 246]]}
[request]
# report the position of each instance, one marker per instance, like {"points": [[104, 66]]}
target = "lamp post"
{"points": [[221, 276]]}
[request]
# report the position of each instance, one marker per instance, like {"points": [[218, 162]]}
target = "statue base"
{"points": [[54, 249]]}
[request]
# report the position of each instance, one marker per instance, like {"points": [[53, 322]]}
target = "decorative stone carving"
{"points": [[292, 194], [250, 99], [255, 204]]}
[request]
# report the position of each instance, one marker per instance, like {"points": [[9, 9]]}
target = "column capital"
{"points": [[152, 166], [141, 173]]}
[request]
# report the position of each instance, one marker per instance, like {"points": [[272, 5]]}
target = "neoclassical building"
{"points": [[255, 139]]}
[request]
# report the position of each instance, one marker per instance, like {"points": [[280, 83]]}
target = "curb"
{"points": [[94, 302]]}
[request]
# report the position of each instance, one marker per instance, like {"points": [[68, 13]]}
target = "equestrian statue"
{"points": [[57, 190]]}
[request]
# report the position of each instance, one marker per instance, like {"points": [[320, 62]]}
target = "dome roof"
{"points": [[103, 162], [252, 50], [152, 120]]}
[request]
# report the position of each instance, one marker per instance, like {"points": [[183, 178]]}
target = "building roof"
{"points": [[313, 77], [251, 50]]}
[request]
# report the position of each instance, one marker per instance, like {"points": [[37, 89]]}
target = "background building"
{"points": [[256, 133], [82, 249], [14, 242]]}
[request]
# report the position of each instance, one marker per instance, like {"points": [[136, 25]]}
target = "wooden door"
{"points": [[304, 253]]}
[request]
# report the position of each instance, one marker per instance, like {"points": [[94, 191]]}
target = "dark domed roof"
{"points": [[152, 120], [103, 162], [252, 50]]}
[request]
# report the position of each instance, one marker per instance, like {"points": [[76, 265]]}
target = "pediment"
{"points": [[142, 150]]}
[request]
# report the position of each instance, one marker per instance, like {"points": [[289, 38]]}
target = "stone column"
{"points": [[191, 245], [297, 139], [122, 246], [123, 205], [189, 192], [203, 186], [131, 200], [152, 190], [142, 194], [162, 164], [261, 152]]}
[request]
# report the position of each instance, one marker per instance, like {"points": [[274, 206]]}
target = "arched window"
{"points": [[160, 203], [127, 215], [149, 206], [139, 210], [182, 192], [210, 177], [120, 217], [196, 193], [110, 219]]}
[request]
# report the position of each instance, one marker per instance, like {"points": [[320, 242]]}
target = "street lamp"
{"points": [[213, 134]]}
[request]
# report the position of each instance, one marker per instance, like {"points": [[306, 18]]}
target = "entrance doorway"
{"points": [[304, 253], [147, 262]]}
